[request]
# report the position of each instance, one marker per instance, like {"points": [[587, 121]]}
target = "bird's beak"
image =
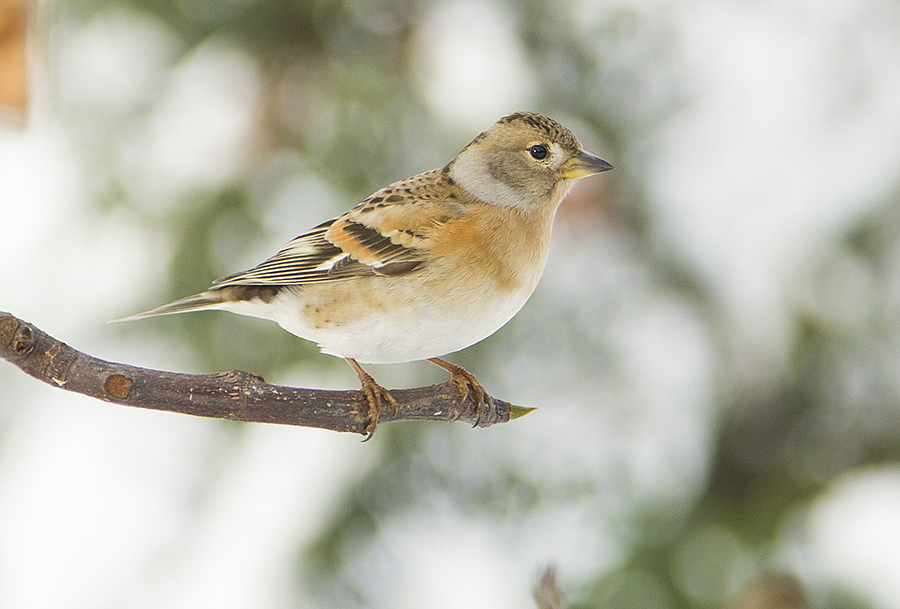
{"points": [[585, 164]]}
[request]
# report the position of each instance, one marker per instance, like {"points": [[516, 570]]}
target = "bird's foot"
{"points": [[374, 394], [465, 379]]}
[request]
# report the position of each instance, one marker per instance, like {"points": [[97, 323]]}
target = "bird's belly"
{"points": [[361, 326]]}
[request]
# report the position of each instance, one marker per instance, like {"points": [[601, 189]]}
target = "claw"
{"points": [[465, 379], [374, 394]]}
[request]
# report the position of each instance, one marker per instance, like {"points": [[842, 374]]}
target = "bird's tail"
{"points": [[212, 299]]}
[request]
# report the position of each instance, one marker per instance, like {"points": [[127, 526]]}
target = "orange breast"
{"points": [[498, 244]]}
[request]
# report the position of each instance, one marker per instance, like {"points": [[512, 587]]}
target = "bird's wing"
{"points": [[387, 234]]}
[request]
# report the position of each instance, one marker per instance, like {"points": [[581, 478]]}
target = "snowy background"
{"points": [[714, 349]]}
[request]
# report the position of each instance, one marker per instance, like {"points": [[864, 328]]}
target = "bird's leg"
{"points": [[374, 393], [464, 379]]}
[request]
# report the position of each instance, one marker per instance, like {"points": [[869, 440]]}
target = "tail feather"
{"points": [[198, 302]]}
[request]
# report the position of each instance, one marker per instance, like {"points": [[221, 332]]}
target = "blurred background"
{"points": [[714, 349]]}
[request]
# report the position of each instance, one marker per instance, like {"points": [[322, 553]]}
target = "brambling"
{"points": [[425, 266]]}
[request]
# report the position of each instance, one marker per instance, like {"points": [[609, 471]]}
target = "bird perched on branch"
{"points": [[425, 266]]}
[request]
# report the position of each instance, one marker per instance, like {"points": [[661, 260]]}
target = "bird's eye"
{"points": [[538, 151]]}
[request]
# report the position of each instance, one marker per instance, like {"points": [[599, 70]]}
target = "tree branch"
{"points": [[235, 395]]}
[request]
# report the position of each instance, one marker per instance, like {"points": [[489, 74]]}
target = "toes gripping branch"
{"points": [[374, 394], [465, 379]]}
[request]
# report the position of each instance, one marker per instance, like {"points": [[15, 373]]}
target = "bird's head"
{"points": [[523, 160]]}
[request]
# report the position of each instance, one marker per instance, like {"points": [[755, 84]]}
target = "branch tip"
{"points": [[517, 412]]}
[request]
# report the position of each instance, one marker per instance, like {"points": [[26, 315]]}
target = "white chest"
{"points": [[410, 333]]}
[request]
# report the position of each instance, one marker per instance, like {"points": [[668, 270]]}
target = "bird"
{"points": [[423, 267]]}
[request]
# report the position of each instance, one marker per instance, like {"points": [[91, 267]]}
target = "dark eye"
{"points": [[538, 151]]}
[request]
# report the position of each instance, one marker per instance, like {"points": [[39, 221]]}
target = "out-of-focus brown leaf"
{"points": [[546, 593], [772, 591], [13, 71]]}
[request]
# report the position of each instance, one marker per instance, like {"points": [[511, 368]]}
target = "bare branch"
{"points": [[235, 395]]}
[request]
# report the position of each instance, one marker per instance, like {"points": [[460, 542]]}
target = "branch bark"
{"points": [[235, 395]]}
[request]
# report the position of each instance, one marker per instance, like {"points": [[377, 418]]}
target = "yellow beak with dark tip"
{"points": [[585, 164]]}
